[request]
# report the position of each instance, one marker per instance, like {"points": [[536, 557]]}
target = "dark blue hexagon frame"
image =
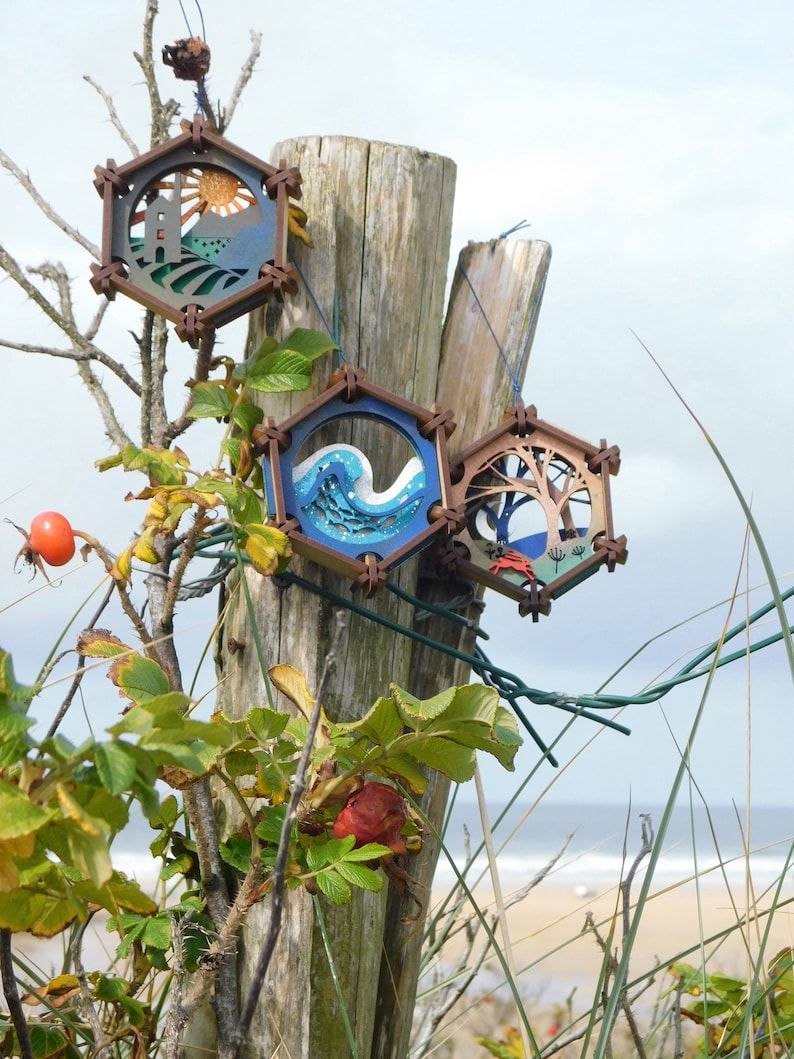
{"points": [[325, 501]]}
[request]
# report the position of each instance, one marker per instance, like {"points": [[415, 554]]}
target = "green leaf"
{"points": [[108, 462], [454, 760], [281, 373], [270, 826], [186, 757], [266, 724], [361, 876], [240, 763], [116, 766], [381, 724], [18, 814], [130, 926], [405, 768], [310, 344], [9, 686], [43, 904], [247, 507], [334, 886], [46, 1040], [13, 725], [136, 1011], [323, 853], [179, 866], [107, 987], [157, 932], [81, 847], [117, 893], [242, 371], [237, 853], [416, 712], [211, 400], [246, 416], [369, 851], [139, 678], [168, 812], [110, 810], [162, 465]]}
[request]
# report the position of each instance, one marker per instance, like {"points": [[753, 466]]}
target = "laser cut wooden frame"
{"points": [[351, 396], [482, 471], [124, 187]]}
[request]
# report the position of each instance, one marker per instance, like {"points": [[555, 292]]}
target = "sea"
{"points": [[590, 847], [584, 847]]}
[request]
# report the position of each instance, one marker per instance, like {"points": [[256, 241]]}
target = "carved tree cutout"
{"points": [[537, 511]]}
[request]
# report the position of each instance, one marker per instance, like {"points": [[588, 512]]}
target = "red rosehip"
{"points": [[374, 813], [52, 538]]}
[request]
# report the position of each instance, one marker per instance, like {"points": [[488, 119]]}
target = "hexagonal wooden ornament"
{"points": [[537, 511], [338, 482], [196, 230]]}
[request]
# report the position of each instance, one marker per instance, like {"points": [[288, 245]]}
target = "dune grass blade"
{"points": [[751, 522], [621, 974], [351, 1040]]}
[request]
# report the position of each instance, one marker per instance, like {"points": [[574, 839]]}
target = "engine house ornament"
{"points": [[196, 230], [537, 511], [320, 468]]}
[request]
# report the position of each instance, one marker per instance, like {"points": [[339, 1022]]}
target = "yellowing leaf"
{"points": [[292, 683], [9, 876], [99, 643], [268, 548], [122, 568], [73, 811], [19, 847]]}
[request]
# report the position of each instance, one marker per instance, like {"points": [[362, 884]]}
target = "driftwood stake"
{"points": [[380, 220]]}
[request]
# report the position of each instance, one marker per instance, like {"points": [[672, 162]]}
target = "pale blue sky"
{"points": [[651, 146]]}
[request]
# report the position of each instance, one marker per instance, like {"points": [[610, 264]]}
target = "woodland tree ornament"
{"points": [[537, 509], [358, 479], [196, 229]]}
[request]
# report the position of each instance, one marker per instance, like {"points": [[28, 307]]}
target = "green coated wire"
{"points": [[508, 684]]}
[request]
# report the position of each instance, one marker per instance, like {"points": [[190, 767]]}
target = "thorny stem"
{"points": [[83, 350], [183, 1005], [278, 876], [200, 374], [625, 886], [115, 120], [89, 1011], [176, 576], [144, 344], [123, 593], [625, 893], [679, 1038], [158, 421], [23, 179], [11, 994], [203, 828], [245, 75], [161, 113]]}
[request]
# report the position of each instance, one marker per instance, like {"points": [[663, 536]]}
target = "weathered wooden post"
{"points": [[380, 218]]}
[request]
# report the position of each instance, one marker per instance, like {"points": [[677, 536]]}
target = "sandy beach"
{"points": [[559, 959]]}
